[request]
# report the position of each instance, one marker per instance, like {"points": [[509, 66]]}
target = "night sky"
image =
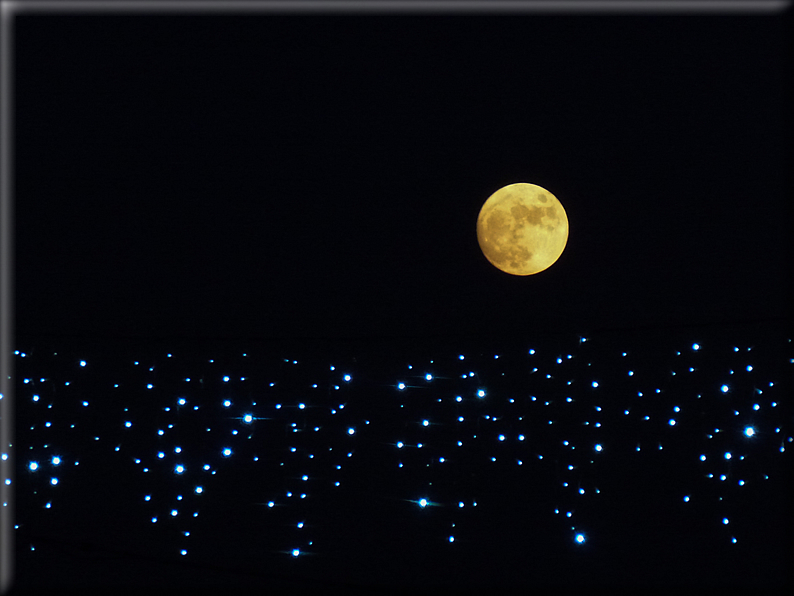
{"points": [[320, 176], [259, 350]]}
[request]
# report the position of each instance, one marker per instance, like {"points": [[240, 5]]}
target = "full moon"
{"points": [[522, 229]]}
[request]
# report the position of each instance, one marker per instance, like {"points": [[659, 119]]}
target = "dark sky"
{"points": [[264, 176]]}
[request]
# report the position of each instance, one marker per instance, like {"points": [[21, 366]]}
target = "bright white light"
{"points": [[749, 431], [724, 389], [695, 347], [248, 418], [351, 431], [227, 452], [429, 377], [227, 403]]}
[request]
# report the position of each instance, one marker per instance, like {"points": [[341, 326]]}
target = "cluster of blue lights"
{"points": [[304, 429]]}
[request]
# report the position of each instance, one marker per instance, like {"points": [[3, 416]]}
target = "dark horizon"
{"points": [[315, 176]]}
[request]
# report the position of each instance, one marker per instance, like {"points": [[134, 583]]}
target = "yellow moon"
{"points": [[522, 229]]}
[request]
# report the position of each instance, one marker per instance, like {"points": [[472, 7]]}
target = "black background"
{"points": [[274, 176]]}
